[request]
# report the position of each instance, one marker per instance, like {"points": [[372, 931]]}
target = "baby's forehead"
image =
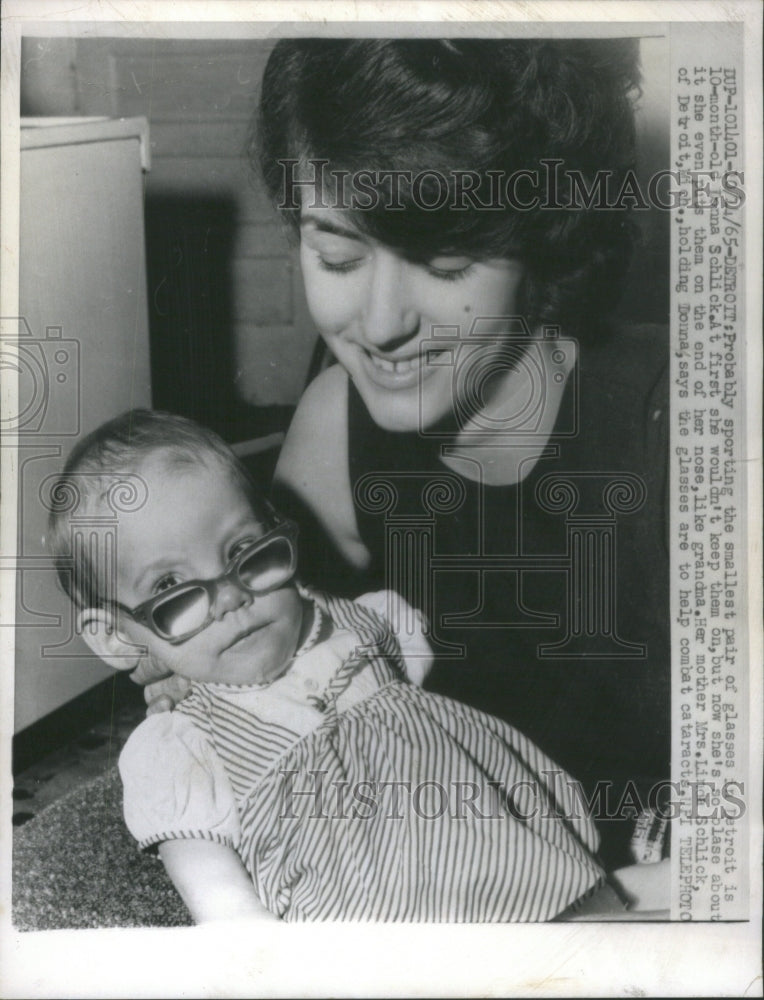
{"points": [[155, 478], [166, 466], [167, 458]]}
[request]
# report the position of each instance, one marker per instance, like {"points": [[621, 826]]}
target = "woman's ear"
{"points": [[98, 628]]}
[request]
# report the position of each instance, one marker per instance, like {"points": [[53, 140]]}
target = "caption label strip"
{"points": [[709, 664]]}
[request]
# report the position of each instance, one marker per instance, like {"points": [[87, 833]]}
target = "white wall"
{"points": [[198, 97]]}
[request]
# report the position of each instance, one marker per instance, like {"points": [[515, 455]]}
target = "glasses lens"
{"points": [[181, 613], [268, 567]]}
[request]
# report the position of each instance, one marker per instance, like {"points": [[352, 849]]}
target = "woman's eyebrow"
{"points": [[325, 225]]}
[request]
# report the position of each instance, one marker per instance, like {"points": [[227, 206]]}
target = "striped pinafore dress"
{"points": [[352, 794]]}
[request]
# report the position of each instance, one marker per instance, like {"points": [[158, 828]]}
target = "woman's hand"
{"points": [[164, 694], [646, 887], [637, 892]]}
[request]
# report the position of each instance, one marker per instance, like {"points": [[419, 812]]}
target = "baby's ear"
{"points": [[98, 628]]}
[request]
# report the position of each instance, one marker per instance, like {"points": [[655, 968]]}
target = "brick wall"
{"points": [[198, 97]]}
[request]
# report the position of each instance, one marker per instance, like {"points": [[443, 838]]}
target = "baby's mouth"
{"points": [[243, 635]]}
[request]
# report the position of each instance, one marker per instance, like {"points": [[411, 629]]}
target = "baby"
{"points": [[306, 775]]}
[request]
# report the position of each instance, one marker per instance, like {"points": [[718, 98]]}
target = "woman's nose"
{"points": [[390, 318], [229, 597]]}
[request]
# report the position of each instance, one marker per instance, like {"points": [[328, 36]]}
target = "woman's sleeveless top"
{"points": [[548, 600]]}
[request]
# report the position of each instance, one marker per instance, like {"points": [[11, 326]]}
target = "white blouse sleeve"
{"points": [[175, 786], [409, 627]]}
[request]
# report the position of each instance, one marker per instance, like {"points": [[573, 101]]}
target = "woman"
{"points": [[485, 444]]}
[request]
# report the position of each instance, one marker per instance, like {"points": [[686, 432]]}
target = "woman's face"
{"points": [[377, 312]]}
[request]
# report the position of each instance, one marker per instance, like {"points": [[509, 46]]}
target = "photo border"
{"points": [[591, 959]]}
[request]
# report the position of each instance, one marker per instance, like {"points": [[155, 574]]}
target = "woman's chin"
{"points": [[409, 410]]}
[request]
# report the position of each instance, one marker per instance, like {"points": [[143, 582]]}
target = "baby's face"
{"points": [[193, 523]]}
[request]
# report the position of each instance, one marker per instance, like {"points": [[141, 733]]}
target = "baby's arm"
{"points": [[177, 795], [212, 881]]}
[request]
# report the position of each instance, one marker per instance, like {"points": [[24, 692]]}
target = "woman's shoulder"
{"points": [[632, 358], [317, 435], [623, 403], [325, 396], [312, 480]]}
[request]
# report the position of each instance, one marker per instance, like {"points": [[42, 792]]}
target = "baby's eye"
{"points": [[166, 581]]}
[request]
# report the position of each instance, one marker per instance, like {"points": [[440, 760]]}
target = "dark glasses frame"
{"points": [[144, 612]]}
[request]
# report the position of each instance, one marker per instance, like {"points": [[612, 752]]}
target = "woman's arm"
{"points": [[212, 881], [644, 888], [312, 479]]}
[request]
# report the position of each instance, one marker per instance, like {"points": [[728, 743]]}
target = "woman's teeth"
{"points": [[396, 367], [406, 364]]}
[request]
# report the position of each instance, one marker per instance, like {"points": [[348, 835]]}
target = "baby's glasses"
{"points": [[182, 611]]}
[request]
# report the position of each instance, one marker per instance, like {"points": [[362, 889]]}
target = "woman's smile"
{"points": [[396, 373], [383, 316]]}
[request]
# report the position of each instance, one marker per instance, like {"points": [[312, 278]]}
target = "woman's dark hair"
{"points": [[433, 108]]}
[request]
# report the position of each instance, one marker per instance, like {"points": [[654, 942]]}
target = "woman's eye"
{"points": [[165, 582], [337, 254], [449, 268], [339, 266]]}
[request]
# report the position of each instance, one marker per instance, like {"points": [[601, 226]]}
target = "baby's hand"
{"points": [[164, 695]]}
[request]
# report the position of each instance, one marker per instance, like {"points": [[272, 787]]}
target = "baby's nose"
{"points": [[230, 598]]}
